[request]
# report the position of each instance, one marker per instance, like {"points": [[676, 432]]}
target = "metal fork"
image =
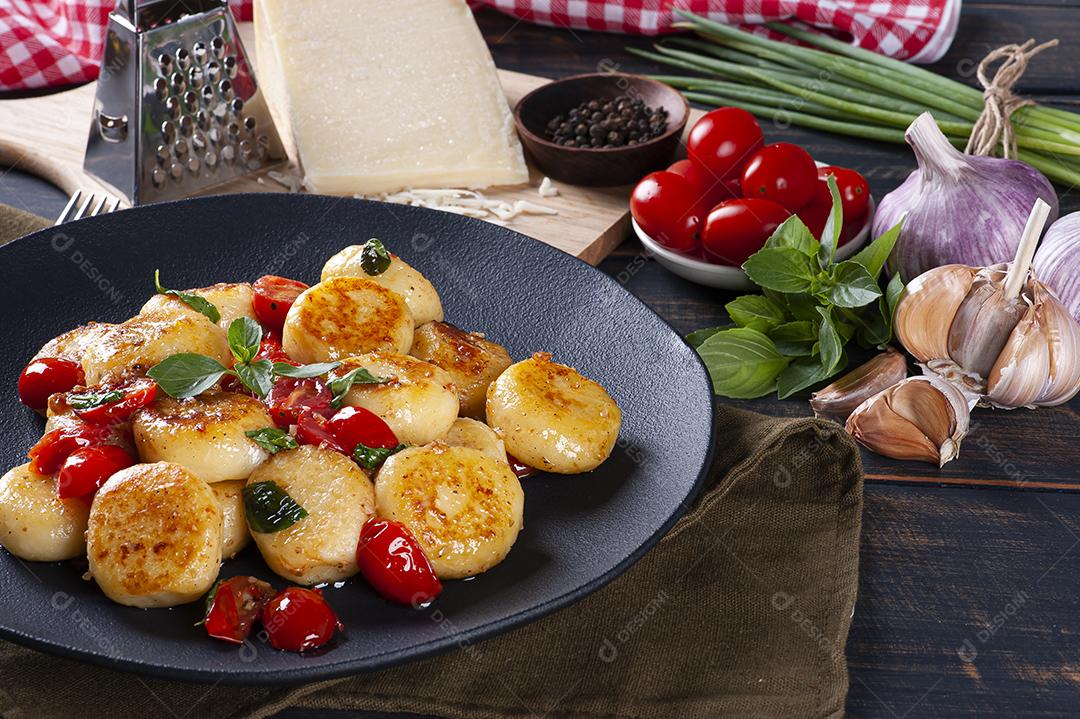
{"points": [[95, 204]]}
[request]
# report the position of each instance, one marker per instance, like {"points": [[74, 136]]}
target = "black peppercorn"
{"points": [[608, 122]]}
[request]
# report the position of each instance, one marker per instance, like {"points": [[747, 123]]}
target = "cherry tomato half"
{"points": [[298, 619], [854, 192], [47, 456], [272, 297], [290, 395], [46, 376], [723, 140], [136, 396], [311, 429], [781, 172], [668, 208], [353, 426], [270, 348], [737, 229], [86, 469], [519, 468], [711, 190], [394, 564], [233, 605]]}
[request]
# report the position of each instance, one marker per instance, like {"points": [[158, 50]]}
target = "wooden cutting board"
{"points": [[46, 136]]}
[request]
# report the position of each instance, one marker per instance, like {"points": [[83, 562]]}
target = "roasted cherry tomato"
{"points": [[136, 396], [854, 192], [272, 297], [298, 619], [270, 348], [47, 456], [86, 469], [394, 564], [290, 395], [233, 605], [815, 213], [521, 469], [46, 376], [781, 172], [353, 426], [311, 429], [669, 210], [737, 229], [711, 190], [723, 140]]}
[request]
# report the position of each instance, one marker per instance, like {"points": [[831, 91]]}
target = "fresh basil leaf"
{"points": [[272, 439], [794, 339], [372, 457], [783, 269], [245, 336], [695, 338], [875, 326], [340, 387], [742, 362], [374, 259], [304, 371], [756, 312], [90, 400], [834, 225], [199, 304], [187, 374], [829, 344], [269, 508], [852, 285], [799, 375], [794, 233], [256, 376], [874, 255], [803, 306], [893, 292]]}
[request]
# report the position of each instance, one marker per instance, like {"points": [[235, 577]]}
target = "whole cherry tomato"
{"points": [[668, 209], [136, 396], [737, 229], [711, 190], [519, 468], [851, 228], [290, 395], [86, 469], [394, 564], [723, 140], [46, 376], [47, 456], [353, 426], [298, 619], [854, 191], [233, 605], [272, 297], [311, 429], [781, 172], [815, 213]]}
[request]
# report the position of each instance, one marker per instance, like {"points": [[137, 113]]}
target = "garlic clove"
{"points": [[1062, 335], [837, 400], [983, 322], [930, 411], [1019, 375], [922, 316]]}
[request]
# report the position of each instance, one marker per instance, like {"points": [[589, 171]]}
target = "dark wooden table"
{"points": [[970, 579]]}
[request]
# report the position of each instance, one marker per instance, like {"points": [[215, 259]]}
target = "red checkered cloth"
{"points": [[59, 42]]}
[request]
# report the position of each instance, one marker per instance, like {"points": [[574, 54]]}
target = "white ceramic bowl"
{"points": [[728, 277]]}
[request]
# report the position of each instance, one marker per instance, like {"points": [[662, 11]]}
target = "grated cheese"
{"points": [[470, 203]]}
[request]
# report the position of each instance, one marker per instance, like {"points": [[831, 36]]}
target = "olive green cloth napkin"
{"points": [[742, 610]]}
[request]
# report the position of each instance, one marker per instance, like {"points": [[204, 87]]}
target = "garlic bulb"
{"points": [[1053, 262], [921, 418], [837, 401], [957, 208]]}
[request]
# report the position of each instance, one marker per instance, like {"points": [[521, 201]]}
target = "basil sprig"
{"points": [[374, 258], [90, 400], [794, 334], [199, 304], [269, 508], [272, 439], [284, 369], [340, 386]]}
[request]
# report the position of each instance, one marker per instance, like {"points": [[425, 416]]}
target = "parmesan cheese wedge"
{"points": [[375, 96]]}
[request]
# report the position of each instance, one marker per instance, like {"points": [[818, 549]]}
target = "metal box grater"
{"points": [[177, 109]]}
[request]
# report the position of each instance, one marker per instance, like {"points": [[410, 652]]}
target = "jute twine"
{"points": [[994, 124]]}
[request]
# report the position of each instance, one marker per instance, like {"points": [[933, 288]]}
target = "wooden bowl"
{"points": [[598, 167]]}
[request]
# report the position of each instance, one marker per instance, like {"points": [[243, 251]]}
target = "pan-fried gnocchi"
{"points": [[416, 399], [400, 277], [232, 299], [35, 524], [154, 536], [206, 434], [346, 316], [72, 344], [551, 417], [338, 498], [234, 529], [464, 508], [472, 361], [471, 433]]}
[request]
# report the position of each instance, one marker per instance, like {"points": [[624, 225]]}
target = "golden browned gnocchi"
{"points": [[35, 524], [400, 277], [205, 434], [463, 507], [338, 498], [346, 316], [72, 344], [134, 346], [234, 529], [154, 536], [472, 361], [551, 417], [232, 300], [466, 432], [417, 399]]}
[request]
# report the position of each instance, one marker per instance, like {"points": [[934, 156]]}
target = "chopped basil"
{"points": [[269, 508], [372, 457], [187, 374], [284, 369], [374, 259], [199, 304], [90, 400], [340, 387], [272, 439]]}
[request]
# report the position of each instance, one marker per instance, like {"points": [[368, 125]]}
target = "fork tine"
{"points": [[81, 212], [66, 213], [113, 205], [97, 207]]}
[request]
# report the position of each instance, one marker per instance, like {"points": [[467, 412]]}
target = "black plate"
{"points": [[580, 532]]}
